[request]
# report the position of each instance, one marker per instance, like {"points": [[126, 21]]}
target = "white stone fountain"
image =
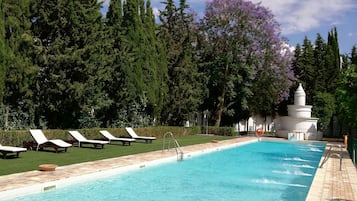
{"points": [[298, 125]]}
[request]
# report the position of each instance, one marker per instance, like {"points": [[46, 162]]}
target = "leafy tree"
{"points": [[320, 65], [276, 77], [118, 53], [346, 98], [155, 64], [346, 93], [3, 53], [354, 55], [308, 70], [72, 73], [185, 91], [236, 51], [21, 69], [324, 108], [332, 62], [138, 68]]}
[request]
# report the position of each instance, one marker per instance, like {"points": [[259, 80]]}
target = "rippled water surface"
{"points": [[269, 171]]}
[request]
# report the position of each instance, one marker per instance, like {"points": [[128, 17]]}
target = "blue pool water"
{"points": [[269, 171]]}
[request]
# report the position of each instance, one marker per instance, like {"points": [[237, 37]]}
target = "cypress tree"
{"points": [[114, 20], [155, 68], [332, 62], [3, 54], [185, 89], [320, 65], [142, 77], [20, 72], [73, 73], [308, 70], [354, 55]]}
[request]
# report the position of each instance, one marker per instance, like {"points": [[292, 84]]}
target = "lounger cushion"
{"points": [[132, 133], [109, 136], [80, 138], [12, 149]]}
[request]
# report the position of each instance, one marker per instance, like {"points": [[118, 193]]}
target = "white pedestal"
{"points": [[298, 136]]}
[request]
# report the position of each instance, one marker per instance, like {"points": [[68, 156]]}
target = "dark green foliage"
{"points": [[320, 51], [3, 52], [332, 62], [20, 83], [320, 68], [222, 131], [185, 90], [324, 108], [63, 65], [73, 72], [138, 68], [346, 98], [354, 55], [308, 72]]}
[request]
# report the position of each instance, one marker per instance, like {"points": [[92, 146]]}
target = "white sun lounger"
{"points": [[132, 133], [5, 150], [42, 141], [110, 137], [82, 140]]}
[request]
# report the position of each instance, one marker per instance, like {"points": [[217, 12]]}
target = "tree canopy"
{"points": [[241, 51], [65, 64]]}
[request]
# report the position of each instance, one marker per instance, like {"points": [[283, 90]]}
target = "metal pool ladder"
{"points": [[329, 154], [179, 152]]}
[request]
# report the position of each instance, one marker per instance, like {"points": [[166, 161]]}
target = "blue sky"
{"points": [[300, 18]]}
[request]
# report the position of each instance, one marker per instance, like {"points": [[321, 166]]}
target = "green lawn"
{"points": [[30, 160]]}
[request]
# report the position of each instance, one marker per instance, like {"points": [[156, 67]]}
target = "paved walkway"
{"points": [[329, 184], [332, 184]]}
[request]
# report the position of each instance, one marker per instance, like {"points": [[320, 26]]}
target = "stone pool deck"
{"points": [[329, 184]]}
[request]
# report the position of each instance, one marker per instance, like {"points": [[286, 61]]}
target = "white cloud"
{"points": [[105, 2], [296, 16], [156, 12]]}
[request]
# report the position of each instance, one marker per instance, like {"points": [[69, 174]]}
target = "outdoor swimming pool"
{"points": [[257, 171]]}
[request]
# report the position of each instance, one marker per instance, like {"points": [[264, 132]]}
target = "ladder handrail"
{"points": [[328, 154], [178, 150]]}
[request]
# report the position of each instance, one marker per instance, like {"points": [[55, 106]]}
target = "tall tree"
{"points": [[297, 64], [332, 62], [308, 71], [346, 98], [320, 65], [155, 64], [236, 50], [21, 71], [185, 91], [141, 71], [73, 73], [3, 52], [276, 77], [354, 55], [118, 61]]}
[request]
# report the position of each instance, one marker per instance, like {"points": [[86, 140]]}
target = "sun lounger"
{"points": [[132, 134], [43, 142], [82, 140], [110, 137], [9, 150]]}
